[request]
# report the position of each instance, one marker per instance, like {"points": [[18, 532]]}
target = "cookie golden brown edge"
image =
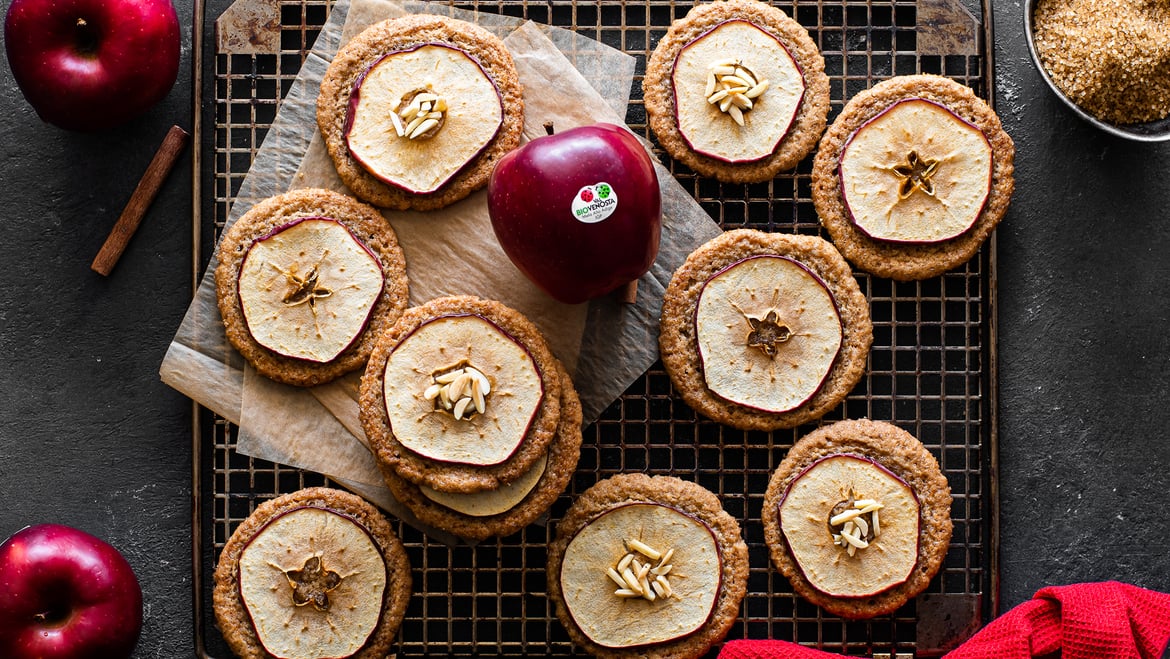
{"points": [[365, 224], [895, 451], [900, 260], [811, 114], [389, 444], [670, 496], [398, 34], [231, 613], [678, 338], [563, 453]]}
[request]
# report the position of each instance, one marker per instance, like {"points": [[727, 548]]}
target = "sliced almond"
{"points": [[423, 127], [757, 89], [838, 520], [461, 407], [398, 127], [644, 549], [625, 562], [735, 112], [617, 578]]}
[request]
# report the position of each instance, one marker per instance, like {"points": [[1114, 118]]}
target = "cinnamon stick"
{"points": [[628, 294], [148, 186]]}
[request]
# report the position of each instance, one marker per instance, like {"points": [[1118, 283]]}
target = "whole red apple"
{"points": [[578, 212], [65, 594], [89, 65]]}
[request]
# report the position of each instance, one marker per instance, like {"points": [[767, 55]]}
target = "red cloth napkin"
{"points": [[1107, 620]]}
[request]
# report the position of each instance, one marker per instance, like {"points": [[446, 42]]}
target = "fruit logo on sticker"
{"points": [[594, 203]]}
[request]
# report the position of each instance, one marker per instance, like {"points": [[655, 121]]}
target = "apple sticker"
{"points": [[594, 203]]}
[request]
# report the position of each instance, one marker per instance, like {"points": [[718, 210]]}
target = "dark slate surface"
{"points": [[1084, 259], [90, 437]]}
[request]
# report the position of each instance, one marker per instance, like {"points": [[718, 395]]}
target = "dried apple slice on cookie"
{"points": [[852, 526], [490, 502], [768, 333], [459, 389], [307, 289], [640, 574], [916, 173], [312, 582], [737, 90], [418, 116]]}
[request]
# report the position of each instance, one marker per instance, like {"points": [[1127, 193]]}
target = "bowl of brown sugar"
{"points": [[1108, 60]]}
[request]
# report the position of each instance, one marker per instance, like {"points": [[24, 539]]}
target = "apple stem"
{"points": [[628, 294], [548, 127], [86, 40]]}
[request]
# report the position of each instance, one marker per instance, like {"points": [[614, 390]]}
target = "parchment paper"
{"points": [[568, 79]]}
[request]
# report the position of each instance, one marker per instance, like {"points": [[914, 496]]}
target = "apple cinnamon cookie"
{"points": [[315, 573], [737, 90], [306, 282], [913, 176], [415, 111], [858, 517], [762, 331], [461, 395], [647, 567], [511, 507]]}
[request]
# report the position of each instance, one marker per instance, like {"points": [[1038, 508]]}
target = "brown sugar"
{"points": [[1110, 57]]}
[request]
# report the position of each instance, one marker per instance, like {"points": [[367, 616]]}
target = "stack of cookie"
{"points": [[475, 425]]}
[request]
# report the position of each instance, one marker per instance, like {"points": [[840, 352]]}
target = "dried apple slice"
{"points": [[736, 90], [768, 333], [609, 553], [821, 521], [308, 288], [490, 502], [418, 116], [460, 389], [916, 173], [312, 583]]}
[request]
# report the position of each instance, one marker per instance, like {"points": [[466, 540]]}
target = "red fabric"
{"points": [[1108, 620]]}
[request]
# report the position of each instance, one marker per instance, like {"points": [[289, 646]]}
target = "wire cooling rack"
{"points": [[931, 370]]}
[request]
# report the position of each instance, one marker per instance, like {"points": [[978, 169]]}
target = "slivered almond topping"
{"points": [[733, 88], [460, 391], [420, 115], [854, 524], [646, 580]]}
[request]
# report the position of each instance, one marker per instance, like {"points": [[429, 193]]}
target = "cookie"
{"points": [[676, 535], [884, 482], [315, 573], [762, 331], [737, 91], [466, 517], [913, 176], [461, 395], [306, 282], [455, 78]]}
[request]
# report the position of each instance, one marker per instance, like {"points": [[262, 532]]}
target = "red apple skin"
{"points": [[530, 193], [65, 594], [89, 65]]}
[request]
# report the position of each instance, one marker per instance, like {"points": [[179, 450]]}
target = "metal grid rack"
{"points": [[931, 371]]}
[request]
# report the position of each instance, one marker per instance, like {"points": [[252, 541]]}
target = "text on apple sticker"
{"points": [[594, 203]]}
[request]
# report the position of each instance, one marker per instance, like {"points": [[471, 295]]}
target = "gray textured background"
{"points": [[90, 437]]}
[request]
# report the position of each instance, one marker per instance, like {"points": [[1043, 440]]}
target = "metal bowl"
{"points": [[1152, 131]]}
